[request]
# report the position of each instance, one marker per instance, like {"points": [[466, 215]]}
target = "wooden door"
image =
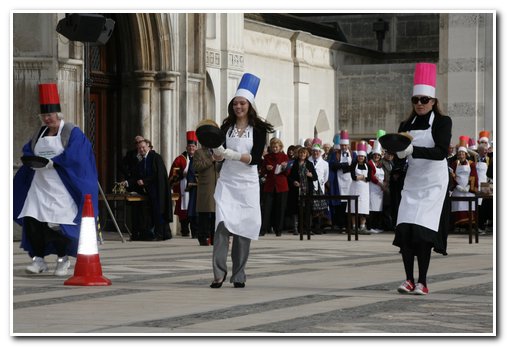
{"points": [[103, 117]]}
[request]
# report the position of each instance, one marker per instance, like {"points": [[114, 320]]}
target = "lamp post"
{"points": [[89, 29]]}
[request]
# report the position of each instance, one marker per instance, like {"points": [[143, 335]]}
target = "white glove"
{"points": [[467, 188], [405, 153], [219, 151], [229, 154]]}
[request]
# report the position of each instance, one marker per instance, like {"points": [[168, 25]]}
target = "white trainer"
{"points": [[421, 289], [62, 266], [37, 266]]}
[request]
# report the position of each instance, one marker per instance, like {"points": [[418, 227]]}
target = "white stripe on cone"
{"points": [[88, 237]]}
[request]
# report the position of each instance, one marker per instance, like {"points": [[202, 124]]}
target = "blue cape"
{"points": [[78, 172]]}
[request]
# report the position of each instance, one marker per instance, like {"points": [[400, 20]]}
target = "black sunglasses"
{"points": [[423, 99]]}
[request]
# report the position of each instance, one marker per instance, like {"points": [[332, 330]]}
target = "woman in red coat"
{"points": [[275, 189]]}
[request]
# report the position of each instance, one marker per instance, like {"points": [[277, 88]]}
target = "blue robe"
{"points": [[78, 172]]}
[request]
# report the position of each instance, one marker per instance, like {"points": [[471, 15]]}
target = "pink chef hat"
{"points": [[344, 137], [425, 79], [361, 148]]}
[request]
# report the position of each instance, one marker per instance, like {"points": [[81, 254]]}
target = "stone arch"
{"points": [[147, 43], [322, 124], [210, 98], [275, 119]]}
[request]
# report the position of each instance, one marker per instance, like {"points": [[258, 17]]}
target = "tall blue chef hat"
{"points": [[248, 87], [336, 141]]}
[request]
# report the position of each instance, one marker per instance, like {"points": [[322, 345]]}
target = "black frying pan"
{"points": [[395, 142], [34, 161], [210, 136]]}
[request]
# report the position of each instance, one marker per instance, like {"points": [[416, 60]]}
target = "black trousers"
{"points": [[39, 234], [375, 220], [206, 227], [485, 212], [142, 222], [273, 211], [190, 225], [340, 215]]}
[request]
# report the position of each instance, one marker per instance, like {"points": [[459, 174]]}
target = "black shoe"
{"points": [[215, 284], [239, 284]]}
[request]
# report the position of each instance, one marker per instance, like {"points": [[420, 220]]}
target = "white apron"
{"points": [[376, 193], [463, 179], [344, 179], [481, 168], [237, 194], [48, 200], [425, 185], [185, 196], [362, 189]]}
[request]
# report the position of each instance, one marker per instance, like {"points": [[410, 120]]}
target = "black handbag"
{"points": [[319, 204]]}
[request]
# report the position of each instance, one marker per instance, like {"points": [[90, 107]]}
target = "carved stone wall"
{"points": [[467, 62], [374, 97], [40, 56]]}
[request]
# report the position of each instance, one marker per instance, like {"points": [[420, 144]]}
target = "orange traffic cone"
{"points": [[88, 271]]}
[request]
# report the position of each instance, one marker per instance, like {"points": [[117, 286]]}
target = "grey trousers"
{"points": [[239, 254]]}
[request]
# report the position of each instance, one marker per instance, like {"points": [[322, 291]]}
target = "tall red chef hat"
{"points": [[48, 98], [191, 138], [463, 141], [484, 135]]}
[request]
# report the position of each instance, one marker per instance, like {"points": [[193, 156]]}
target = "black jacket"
{"points": [[293, 198], [153, 172]]}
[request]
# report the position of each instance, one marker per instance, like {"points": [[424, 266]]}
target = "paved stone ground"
{"points": [[323, 286]]}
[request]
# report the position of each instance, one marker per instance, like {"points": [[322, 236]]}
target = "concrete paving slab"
{"points": [[326, 286]]}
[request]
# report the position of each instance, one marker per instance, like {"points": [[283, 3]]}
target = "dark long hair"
{"points": [[436, 110], [253, 119]]}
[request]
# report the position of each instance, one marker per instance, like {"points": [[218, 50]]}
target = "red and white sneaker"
{"points": [[421, 289], [406, 287]]}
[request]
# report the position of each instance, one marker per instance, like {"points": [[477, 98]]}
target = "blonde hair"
{"points": [[275, 141]]}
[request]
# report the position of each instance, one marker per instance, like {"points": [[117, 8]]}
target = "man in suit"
{"points": [[150, 179], [130, 160]]}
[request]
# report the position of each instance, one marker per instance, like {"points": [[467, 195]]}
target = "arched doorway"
{"points": [[102, 119], [124, 89]]}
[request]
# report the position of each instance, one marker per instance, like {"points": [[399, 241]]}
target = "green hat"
{"points": [[380, 133]]}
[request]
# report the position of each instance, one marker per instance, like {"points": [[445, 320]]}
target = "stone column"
{"points": [[168, 116], [303, 127], [466, 71], [145, 80], [232, 58]]}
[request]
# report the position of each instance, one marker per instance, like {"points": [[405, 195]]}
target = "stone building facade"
{"points": [[160, 73]]}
